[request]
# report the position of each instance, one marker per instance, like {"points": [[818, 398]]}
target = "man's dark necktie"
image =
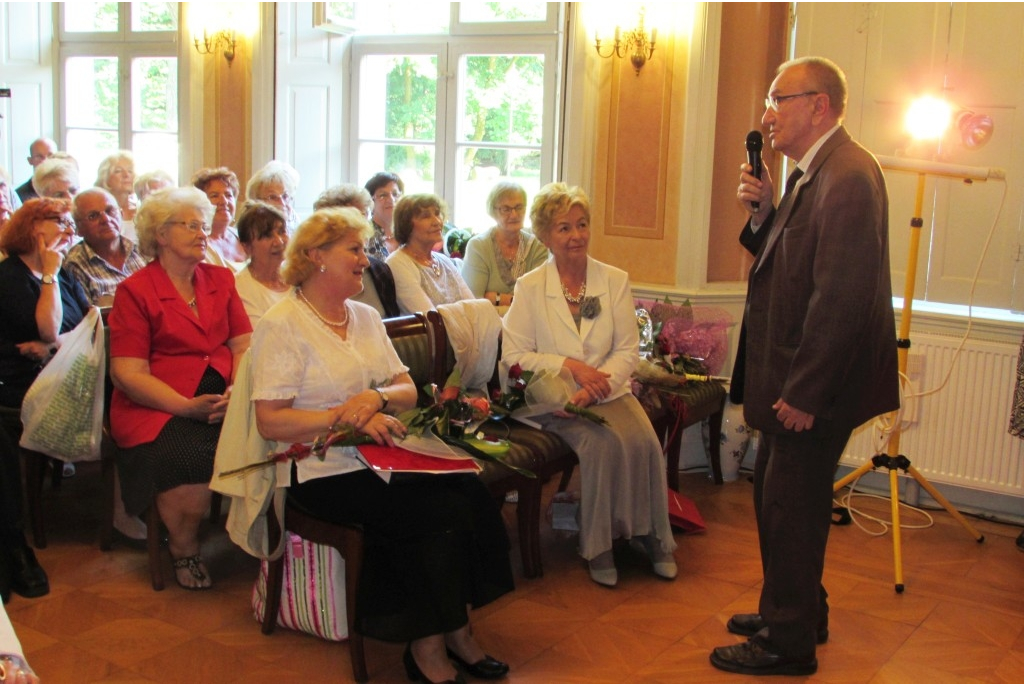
{"points": [[793, 178]]}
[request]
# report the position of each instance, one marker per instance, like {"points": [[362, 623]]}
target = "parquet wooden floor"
{"points": [[961, 618]]}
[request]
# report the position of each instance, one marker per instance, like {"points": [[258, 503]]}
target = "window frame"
{"points": [[124, 45], [449, 49]]}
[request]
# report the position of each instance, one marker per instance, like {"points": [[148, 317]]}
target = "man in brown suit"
{"points": [[820, 352]]}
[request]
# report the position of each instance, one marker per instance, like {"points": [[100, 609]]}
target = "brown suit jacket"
{"points": [[820, 329]]}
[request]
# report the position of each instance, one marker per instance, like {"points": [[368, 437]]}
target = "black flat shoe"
{"points": [[749, 625], [751, 658], [487, 668], [412, 669]]}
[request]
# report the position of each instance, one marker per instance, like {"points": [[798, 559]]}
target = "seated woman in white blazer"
{"points": [[576, 313]]}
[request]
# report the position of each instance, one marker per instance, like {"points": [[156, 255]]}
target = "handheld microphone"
{"points": [[754, 144]]}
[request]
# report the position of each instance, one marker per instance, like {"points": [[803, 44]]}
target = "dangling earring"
{"points": [[323, 268]]}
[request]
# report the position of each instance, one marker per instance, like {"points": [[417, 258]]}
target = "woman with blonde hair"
{"points": [[435, 544], [576, 314]]}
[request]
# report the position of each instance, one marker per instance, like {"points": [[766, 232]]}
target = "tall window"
{"points": [[118, 80], [457, 109]]}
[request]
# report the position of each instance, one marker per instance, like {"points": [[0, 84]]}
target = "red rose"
{"points": [[515, 372], [450, 393]]}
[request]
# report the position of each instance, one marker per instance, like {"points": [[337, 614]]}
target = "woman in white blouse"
{"points": [[423, 278], [263, 230], [435, 544]]}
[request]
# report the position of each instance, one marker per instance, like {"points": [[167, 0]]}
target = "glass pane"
{"points": [[155, 94], [153, 151], [501, 98], [479, 169], [84, 17], [89, 147], [414, 164], [426, 16], [477, 12], [154, 16], [340, 12], [90, 92], [398, 97]]}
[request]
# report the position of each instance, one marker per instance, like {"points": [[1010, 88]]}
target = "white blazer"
{"points": [[539, 332]]}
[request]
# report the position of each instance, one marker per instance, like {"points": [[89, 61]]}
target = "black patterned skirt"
{"points": [[182, 454]]}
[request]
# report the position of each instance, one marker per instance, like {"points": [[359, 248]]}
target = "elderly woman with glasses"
{"points": [[385, 190], [497, 258], [276, 184], [177, 332], [40, 302]]}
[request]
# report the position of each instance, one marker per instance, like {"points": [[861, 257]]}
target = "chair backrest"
{"points": [[416, 343]]}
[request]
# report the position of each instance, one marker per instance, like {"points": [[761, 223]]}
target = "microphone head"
{"points": [[754, 141]]}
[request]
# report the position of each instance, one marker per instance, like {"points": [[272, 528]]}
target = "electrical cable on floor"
{"points": [[884, 525]]}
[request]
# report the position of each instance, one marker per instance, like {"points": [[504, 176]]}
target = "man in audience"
{"points": [[40, 150], [56, 177], [100, 262], [104, 258]]}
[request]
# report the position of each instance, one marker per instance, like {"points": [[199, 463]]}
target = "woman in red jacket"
{"points": [[177, 331]]}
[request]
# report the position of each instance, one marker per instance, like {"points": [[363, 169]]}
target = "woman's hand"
{"points": [[207, 408], [581, 399], [50, 259], [358, 410], [383, 429], [37, 350], [593, 381]]}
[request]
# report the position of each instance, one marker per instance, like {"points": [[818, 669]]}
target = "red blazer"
{"points": [[150, 321]]}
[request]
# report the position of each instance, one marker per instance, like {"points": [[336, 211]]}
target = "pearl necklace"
{"points": [[334, 324], [574, 300]]}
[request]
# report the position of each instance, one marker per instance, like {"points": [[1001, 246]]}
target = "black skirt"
{"points": [[435, 544], [182, 454]]}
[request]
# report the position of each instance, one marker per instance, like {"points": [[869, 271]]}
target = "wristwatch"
{"points": [[497, 300], [383, 398], [48, 279]]}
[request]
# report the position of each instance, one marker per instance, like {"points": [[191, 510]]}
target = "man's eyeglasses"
{"points": [[772, 101], [192, 226], [385, 195], [112, 211], [505, 210]]}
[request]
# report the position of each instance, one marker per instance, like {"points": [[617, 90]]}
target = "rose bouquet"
{"points": [[530, 393]]}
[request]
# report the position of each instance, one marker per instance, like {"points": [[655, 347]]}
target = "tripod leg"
{"points": [[897, 541], [937, 496], [853, 475]]}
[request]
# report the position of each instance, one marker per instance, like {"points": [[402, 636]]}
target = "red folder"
{"points": [[382, 458]]}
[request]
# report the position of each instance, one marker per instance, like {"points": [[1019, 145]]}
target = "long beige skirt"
{"points": [[624, 492]]}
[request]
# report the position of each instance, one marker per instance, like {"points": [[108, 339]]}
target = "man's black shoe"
{"points": [[751, 658], [749, 625], [28, 578]]}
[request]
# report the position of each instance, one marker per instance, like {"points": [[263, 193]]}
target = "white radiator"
{"points": [[959, 435]]}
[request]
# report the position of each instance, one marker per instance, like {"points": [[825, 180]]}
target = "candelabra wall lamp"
{"points": [[208, 44], [635, 43]]}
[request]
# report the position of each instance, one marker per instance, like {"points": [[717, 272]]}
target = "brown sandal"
{"points": [[193, 564]]}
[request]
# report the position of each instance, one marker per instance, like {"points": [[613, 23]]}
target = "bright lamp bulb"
{"points": [[928, 118]]}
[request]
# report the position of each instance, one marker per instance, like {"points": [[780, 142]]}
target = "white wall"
{"points": [[26, 67]]}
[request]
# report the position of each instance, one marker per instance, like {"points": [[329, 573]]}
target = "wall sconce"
{"points": [[635, 44], [225, 38]]}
